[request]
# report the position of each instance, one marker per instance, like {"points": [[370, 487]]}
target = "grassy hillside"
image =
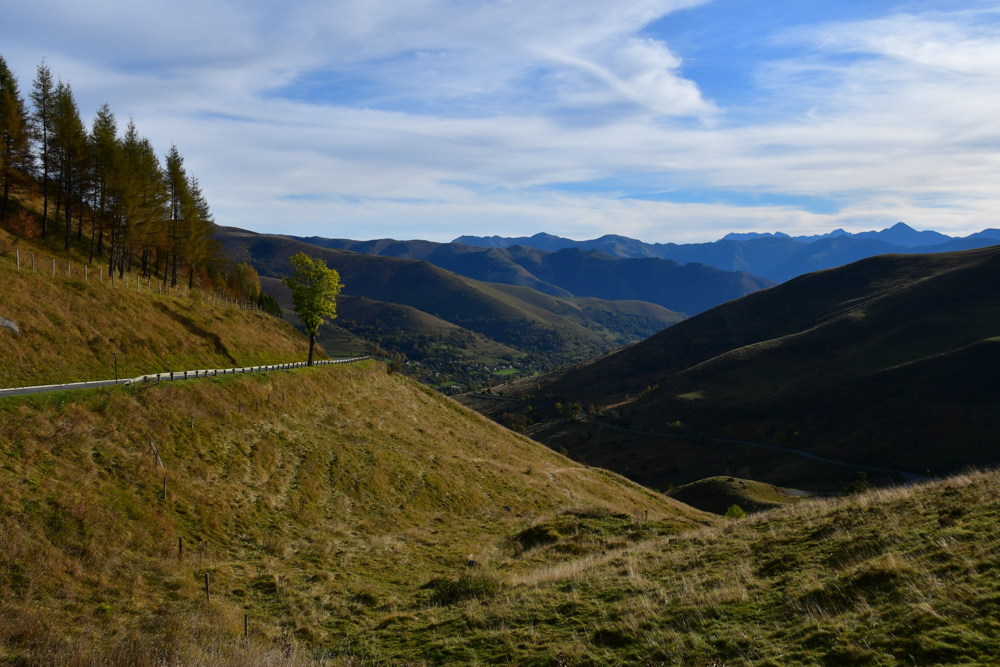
{"points": [[71, 328], [898, 577], [718, 494], [889, 362], [338, 501]]}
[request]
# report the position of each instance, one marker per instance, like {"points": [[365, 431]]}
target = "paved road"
{"points": [[168, 376], [908, 476]]}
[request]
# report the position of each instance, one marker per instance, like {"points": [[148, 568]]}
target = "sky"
{"points": [[663, 120]]}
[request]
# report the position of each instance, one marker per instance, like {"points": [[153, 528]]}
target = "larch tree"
{"points": [[104, 152], [70, 142], [15, 139], [43, 130], [201, 248], [314, 293], [180, 207]]}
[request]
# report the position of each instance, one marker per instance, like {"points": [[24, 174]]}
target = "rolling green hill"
{"points": [[718, 494], [691, 288], [543, 331], [888, 362]]}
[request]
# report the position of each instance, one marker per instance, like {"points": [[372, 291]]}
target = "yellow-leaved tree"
{"points": [[314, 293]]}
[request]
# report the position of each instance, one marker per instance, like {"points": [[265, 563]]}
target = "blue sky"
{"points": [[665, 120]]}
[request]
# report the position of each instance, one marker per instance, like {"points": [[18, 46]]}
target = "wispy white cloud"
{"points": [[436, 118]]}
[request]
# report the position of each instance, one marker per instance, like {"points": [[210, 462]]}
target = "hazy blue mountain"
{"points": [[775, 256], [746, 236], [902, 234], [990, 233]]}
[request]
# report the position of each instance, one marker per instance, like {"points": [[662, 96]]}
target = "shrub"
{"points": [[735, 512], [468, 586], [23, 226], [860, 485]]}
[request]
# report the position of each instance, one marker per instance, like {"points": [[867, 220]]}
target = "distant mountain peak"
{"points": [[746, 236]]}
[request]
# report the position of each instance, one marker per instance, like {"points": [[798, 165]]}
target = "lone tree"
{"points": [[314, 293]]}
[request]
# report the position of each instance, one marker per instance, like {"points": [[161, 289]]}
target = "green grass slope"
{"points": [[889, 362], [71, 328], [324, 502], [896, 577], [718, 494]]}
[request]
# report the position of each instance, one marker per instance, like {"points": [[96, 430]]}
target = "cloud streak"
{"points": [[433, 118]]}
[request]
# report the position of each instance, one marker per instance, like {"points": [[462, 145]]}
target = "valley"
{"points": [[877, 363], [449, 330]]}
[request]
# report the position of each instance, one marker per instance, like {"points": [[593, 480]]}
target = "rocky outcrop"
{"points": [[8, 324]]}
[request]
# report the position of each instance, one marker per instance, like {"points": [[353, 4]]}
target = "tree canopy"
{"points": [[314, 293], [143, 214]]}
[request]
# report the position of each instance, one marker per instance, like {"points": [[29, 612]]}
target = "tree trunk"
{"points": [[69, 210], [93, 237], [6, 194], [312, 344], [79, 226], [45, 180]]}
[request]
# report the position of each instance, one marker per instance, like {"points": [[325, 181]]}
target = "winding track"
{"points": [[170, 375]]}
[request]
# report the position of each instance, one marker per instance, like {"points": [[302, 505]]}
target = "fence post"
{"points": [[164, 487], [53, 268], [32, 261], [180, 548], [208, 598], [17, 257]]}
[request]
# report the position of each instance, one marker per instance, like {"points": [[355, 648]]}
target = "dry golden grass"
{"points": [[320, 514], [71, 328], [895, 576]]}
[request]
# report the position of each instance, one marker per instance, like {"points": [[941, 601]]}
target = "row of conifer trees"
{"points": [[141, 214]]}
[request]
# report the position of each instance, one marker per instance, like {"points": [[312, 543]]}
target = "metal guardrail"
{"points": [[173, 375]]}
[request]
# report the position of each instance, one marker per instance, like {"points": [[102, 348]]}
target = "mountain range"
{"points": [[690, 288], [775, 256], [459, 329]]}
